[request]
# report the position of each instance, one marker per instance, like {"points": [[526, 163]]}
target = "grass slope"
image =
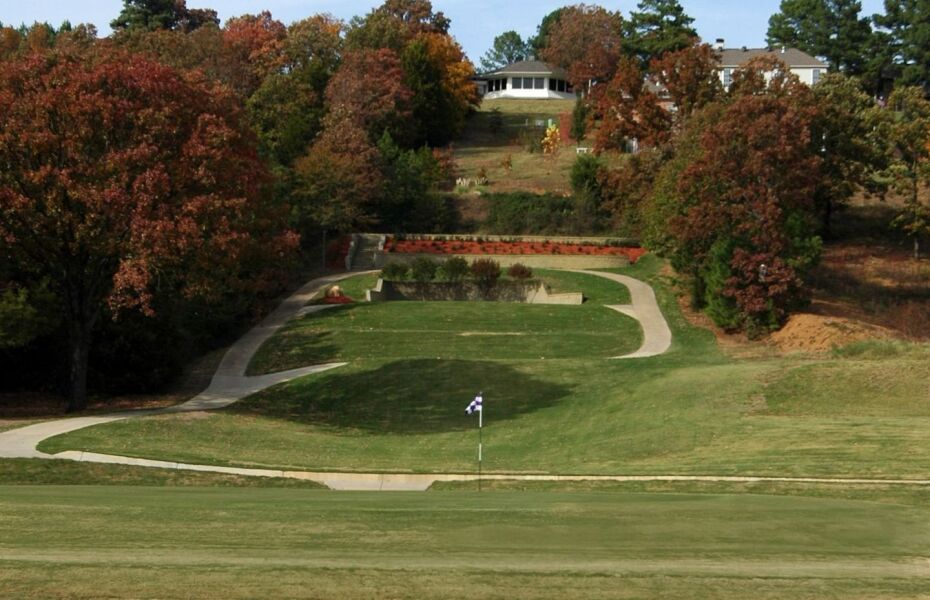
{"points": [[482, 148], [35, 471], [90, 541], [691, 411]]}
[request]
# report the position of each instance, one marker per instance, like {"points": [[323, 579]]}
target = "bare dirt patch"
{"points": [[806, 332]]}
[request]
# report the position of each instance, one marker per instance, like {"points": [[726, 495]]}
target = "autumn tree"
{"points": [[256, 43], [339, 181], [629, 110], [10, 41], [288, 107], [909, 134], [201, 49], [744, 225], [439, 76], [831, 29], [848, 132], [394, 24], [507, 49], [625, 189], [436, 70], [657, 27], [690, 78], [767, 75], [368, 90], [585, 41], [123, 177]]}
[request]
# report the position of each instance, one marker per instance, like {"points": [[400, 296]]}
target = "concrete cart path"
{"points": [[657, 337], [230, 384]]}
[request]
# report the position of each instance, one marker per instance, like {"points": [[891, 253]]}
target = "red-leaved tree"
{"points": [[746, 214], [629, 110], [368, 90], [689, 77], [586, 41], [122, 176]]}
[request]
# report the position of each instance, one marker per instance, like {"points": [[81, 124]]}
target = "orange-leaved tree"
{"points": [[123, 178]]}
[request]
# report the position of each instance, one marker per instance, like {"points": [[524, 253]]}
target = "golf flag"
{"points": [[475, 405]]}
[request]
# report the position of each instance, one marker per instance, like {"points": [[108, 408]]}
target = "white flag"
{"points": [[475, 405]]}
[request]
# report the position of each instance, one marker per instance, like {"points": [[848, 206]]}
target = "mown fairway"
{"points": [[237, 543], [397, 407]]}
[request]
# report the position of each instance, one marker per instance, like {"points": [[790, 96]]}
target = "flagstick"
{"points": [[480, 423]]}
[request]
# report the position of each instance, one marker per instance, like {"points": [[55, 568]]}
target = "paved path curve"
{"points": [[231, 384], [657, 337]]}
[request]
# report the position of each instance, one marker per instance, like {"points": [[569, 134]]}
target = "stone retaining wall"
{"points": [[536, 261], [531, 292], [560, 239]]}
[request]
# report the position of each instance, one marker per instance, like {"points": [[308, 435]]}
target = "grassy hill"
{"points": [[484, 147], [556, 402]]}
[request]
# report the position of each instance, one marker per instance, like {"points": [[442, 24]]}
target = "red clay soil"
{"points": [[511, 248]]}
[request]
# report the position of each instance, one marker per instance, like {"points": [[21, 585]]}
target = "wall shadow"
{"points": [[406, 397]]}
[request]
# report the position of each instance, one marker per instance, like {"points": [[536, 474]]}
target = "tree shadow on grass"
{"points": [[406, 397]]}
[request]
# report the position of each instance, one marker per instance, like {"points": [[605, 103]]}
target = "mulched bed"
{"points": [[512, 248]]}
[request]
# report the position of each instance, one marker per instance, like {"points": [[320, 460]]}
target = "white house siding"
{"points": [[807, 68], [807, 75], [540, 94], [530, 79]]}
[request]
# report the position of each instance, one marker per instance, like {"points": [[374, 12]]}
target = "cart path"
{"points": [[657, 337], [230, 384]]}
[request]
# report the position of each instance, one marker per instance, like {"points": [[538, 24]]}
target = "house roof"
{"points": [[735, 57], [529, 67]]}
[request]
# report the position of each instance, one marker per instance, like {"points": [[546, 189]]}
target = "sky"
{"points": [[475, 23]]}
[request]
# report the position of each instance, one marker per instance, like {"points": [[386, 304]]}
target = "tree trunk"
{"points": [[79, 353], [324, 248], [917, 247], [826, 231]]}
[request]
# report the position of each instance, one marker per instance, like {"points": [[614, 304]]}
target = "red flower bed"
{"points": [[516, 248]]}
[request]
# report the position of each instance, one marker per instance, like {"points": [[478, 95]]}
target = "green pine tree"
{"points": [[507, 48], [830, 29], [907, 23], [659, 26]]}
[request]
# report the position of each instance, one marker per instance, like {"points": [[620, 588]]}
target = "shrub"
{"points": [[486, 272], [525, 213], [454, 269], [496, 121], [531, 139], [519, 271], [424, 269], [579, 120], [584, 173], [395, 271]]}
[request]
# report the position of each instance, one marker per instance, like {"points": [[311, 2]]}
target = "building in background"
{"points": [[526, 79]]}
